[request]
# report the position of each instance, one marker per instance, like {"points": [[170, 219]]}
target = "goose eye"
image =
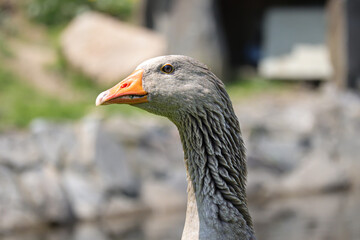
{"points": [[167, 68]]}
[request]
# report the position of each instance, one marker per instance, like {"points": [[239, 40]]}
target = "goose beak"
{"points": [[128, 91]]}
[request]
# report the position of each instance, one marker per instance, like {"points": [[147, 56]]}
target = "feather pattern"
{"points": [[215, 159]]}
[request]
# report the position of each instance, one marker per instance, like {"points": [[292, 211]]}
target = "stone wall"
{"points": [[56, 173]]}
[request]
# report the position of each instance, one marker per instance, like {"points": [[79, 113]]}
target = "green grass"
{"points": [[245, 88], [4, 48], [21, 103], [58, 12]]}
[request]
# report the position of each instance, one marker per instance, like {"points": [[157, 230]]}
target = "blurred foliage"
{"points": [[24, 103], [4, 48], [242, 88], [57, 12]]}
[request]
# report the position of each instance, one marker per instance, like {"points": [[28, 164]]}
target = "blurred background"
{"points": [[69, 170]]}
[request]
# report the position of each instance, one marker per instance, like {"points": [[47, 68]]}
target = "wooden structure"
{"points": [[233, 31]]}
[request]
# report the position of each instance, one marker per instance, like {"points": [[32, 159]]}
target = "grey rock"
{"points": [[85, 137], [164, 226], [338, 126], [155, 154], [42, 191], [305, 146], [277, 133], [152, 148], [258, 182], [162, 196], [88, 231], [318, 174], [56, 234], [85, 193], [122, 206], [18, 235], [310, 217], [111, 164], [278, 149], [17, 150], [102, 154], [13, 210], [56, 142], [128, 227]]}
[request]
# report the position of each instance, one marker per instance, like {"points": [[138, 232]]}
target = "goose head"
{"points": [[167, 85]]}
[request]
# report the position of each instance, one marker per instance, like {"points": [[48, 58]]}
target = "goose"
{"points": [[195, 100]]}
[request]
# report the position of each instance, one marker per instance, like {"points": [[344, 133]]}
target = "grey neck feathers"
{"points": [[215, 161]]}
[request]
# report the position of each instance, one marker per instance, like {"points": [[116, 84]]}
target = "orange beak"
{"points": [[128, 91]]}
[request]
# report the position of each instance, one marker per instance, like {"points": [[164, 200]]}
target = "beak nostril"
{"points": [[124, 85]]}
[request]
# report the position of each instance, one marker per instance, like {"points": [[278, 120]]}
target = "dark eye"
{"points": [[167, 68]]}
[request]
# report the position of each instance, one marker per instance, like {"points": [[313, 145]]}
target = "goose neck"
{"points": [[216, 168]]}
